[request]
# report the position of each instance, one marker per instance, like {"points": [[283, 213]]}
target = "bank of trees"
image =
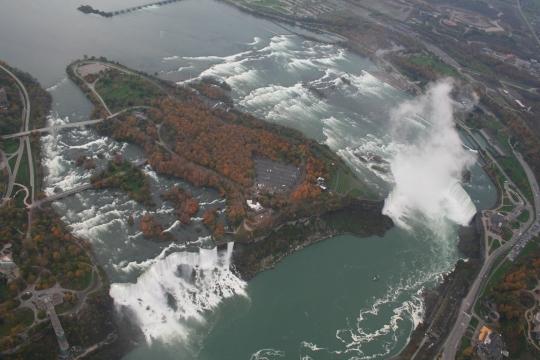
{"points": [[122, 174], [184, 204]]}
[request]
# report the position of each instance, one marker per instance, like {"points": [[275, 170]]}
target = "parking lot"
{"points": [[275, 177]]}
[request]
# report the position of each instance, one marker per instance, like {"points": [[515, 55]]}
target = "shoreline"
{"points": [[359, 218], [453, 278]]}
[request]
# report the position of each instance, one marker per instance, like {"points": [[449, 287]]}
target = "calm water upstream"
{"points": [[321, 303]]}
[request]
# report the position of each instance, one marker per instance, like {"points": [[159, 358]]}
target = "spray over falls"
{"points": [[428, 161]]}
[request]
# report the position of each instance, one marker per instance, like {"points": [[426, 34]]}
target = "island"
{"points": [[283, 191], [487, 306]]}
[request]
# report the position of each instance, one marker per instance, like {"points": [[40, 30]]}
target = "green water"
{"points": [[342, 298]]}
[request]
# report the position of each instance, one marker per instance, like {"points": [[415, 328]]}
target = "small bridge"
{"points": [[52, 128], [73, 191], [77, 124], [61, 195]]}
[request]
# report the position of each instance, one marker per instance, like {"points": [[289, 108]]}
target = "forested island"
{"points": [[283, 191]]}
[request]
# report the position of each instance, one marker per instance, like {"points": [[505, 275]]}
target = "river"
{"points": [[342, 298]]}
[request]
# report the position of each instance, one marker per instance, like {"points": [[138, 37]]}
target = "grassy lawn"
{"points": [[120, 90], [495, 278], [507, 233], [516, 173], [23, 176], [10, 146], [344, 182], [494, 245], [474, 323], [524, 216], [530, 247], [434, 64]]}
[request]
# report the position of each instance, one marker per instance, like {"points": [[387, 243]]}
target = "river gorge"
{"points": [[344, 297]]}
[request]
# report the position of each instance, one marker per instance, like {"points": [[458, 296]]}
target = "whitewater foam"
{"points": [[177, 291], [267, 354], [428, 163]]}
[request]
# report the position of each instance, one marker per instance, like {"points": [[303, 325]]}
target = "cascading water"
{"points": [[178, 290], [428, 162]]}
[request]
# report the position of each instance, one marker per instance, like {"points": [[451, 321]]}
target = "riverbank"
{"points": [[48, 263], [276, 223], [361, 218], [441, 304]]}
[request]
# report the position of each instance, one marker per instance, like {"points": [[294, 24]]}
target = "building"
{"points": [[496, 222], [484, 334], [490, 345], [4, 104]]}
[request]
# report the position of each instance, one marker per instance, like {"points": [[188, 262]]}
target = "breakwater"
{"points": [[87, 9]]}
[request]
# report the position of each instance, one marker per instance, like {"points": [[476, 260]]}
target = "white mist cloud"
{"points": [[428, 161]]}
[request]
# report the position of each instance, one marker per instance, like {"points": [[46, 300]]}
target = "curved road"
{"points": [[25, 141], [453, 340]]}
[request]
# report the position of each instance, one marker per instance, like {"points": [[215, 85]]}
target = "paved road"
{"points": [[453, 340], [534, 229], [25, 125], [70, 125], [535, 188], [52, 128], [527, 22]]}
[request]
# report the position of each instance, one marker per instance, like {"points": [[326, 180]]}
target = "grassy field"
{"points": [[9, 146], [23, 176], [495, 278], [433, 63], [513, 169], [345, 182], [524, 216], [120, 90]]}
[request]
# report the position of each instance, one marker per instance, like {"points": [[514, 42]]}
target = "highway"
{"points": [[531, 29], [453, 340], [24, 141]]}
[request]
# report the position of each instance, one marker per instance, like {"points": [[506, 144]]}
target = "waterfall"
{"points": [[459, 206], [177, 291], [428, 161]]}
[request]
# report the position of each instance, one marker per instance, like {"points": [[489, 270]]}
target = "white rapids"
{"points": [[177, 290]]}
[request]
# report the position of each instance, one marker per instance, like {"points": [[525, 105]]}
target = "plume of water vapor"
{"points": [[428, 161]]}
